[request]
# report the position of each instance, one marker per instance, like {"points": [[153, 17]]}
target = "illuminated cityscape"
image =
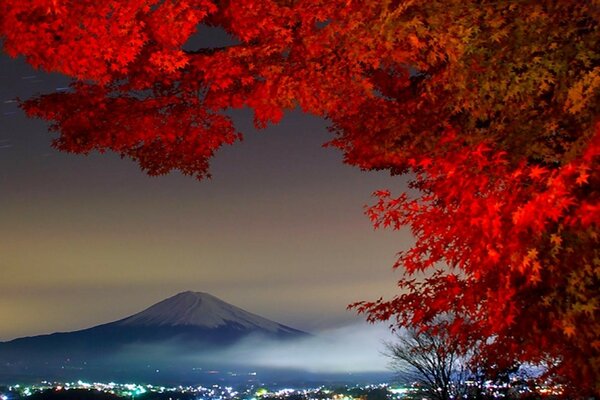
{"points": [[199, 392], [253, 391]]}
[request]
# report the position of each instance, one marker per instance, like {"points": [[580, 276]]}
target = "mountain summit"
{"points": [[198, 309]]}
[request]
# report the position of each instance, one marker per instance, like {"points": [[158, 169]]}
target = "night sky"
{"points": [[279, 230]]}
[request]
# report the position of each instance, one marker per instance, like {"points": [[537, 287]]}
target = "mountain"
{"points": [[188, 323], [202, 310]]}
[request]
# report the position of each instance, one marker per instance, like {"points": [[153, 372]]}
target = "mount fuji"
{"points": [[189, 322], [198, 310]]}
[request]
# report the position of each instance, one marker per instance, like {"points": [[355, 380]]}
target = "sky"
{"points": [[279, 230]]}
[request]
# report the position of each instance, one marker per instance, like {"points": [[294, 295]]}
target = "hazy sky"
{"points": [[279, 230]]}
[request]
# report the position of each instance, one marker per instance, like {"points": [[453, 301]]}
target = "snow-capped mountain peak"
{"points": [[200, 310]]}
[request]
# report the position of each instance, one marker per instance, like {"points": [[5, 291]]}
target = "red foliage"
{"points": [[515, 250]]}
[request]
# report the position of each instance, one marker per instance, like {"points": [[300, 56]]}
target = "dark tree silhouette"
{"points": [[433, 360]]}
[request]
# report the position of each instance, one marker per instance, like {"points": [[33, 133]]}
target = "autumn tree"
{"points": [[491, 106]]}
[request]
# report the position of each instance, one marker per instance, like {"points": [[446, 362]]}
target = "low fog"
{"points": [[354, 348]]}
